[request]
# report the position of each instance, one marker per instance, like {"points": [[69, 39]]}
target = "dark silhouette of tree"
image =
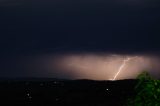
{"points": [[147, 91]]}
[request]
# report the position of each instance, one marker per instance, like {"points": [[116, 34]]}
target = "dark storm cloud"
{"points": [[82, 24], [39, 27], [11, 3]]}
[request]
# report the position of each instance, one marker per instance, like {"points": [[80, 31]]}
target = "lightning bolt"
{"points": [[122, 66]]}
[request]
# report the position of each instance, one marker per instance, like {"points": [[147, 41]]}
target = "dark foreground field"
{"points": [[53, 92]]}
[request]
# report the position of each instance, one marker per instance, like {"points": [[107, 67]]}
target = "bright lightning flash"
{"points": [[122, 66]]}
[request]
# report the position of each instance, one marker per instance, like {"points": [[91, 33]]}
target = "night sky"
{"points": [[39, 38]]}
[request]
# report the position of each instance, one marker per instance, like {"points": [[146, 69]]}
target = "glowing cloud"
{"points": [[104, 67]]}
